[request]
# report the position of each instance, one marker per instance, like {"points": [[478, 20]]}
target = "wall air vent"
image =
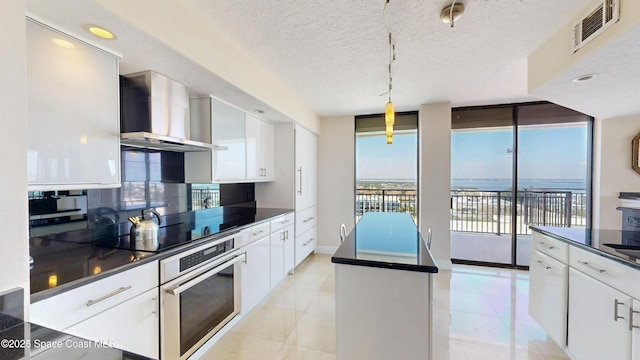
{"points": [[598, 19]]}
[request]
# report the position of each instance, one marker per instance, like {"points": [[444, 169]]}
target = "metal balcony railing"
{"points": [[487, 211]]}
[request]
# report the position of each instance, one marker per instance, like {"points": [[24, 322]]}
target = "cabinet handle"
{"points": [[308, 242], [307, 220], [615, 310], [246, 257], [631, 312], [121, 289], [257, 233], [286, 234], [156, 306], [284, 221], [300, 178], [545, 266], [550, 247], [591, 267], [283, 237]]}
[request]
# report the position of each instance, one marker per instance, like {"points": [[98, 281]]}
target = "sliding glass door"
{"points": [[512, 167]]}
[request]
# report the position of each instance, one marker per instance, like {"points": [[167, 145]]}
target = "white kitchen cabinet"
{"points": [[282, 248], [598, 320], [306, 168], [548, 295], [223, 125], [634, 322], [289, 248], [305, 244], [132, 326], [260, 149], [255, 273], [277, 257], [73, 113]]}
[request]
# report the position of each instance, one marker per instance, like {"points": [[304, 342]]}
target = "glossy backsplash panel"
{"points": [[151, 179]]}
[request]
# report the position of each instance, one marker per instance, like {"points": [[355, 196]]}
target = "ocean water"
{"points": [[505, 184]]}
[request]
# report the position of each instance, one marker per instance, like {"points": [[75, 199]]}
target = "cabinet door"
{"points": [[228, 134], [305, 168], [634, 319], [277, 257], [268, 151], [595, 332], [73, 119], [132, 326], [254, 147], [548, 287], [289, 248], [254, 274]]}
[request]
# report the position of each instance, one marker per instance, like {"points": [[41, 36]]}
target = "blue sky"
{"points": [[545, 153]]}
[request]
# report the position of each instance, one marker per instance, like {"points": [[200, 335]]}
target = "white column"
{"points": [[434, 145], [336, 179], [14, 269]]}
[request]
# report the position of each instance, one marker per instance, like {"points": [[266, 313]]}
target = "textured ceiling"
{"points": [[334, 53]]}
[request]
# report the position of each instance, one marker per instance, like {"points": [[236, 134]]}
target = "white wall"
{"points": [[336, 180], [14, 268], [612, 168], [434, 127]]}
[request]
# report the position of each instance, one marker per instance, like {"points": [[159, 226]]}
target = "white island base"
{"points": [[383, 313]]}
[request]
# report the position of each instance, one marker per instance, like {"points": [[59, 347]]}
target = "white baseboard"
{"points": [[326, 249]]}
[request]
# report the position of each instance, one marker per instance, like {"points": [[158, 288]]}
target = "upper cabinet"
{"points": [[260, 153], [242, 144], [73, 113]]}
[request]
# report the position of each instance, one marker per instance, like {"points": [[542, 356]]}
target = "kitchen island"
{"points": [[384, 290]]}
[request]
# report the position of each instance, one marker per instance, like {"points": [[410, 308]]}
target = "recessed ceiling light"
{"points": [[64, 43], [259, 111], [583, 78], [101, 32]]}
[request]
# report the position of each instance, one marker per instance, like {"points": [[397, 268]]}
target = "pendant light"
{"points": [[389, 113]]}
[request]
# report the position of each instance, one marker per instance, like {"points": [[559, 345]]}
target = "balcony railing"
{"points": [[487, 211]]}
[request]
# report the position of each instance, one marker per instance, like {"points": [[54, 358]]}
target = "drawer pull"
{"points": [[284, 221], [257, 233], [591, 267], [307, 220], [615, 310], [308, 242], [545, 266], [121, 289], [550, 247], [631, 312]]}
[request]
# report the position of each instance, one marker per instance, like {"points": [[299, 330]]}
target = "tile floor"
{"points": [[479, 314]]}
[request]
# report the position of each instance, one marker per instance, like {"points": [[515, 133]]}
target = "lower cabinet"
{"points": [[132, 326], [254, 273], [305, 244], [548, 295], [634, 321], [599, 325], [282, 253]]}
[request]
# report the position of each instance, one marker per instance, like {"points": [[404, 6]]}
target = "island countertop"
{"points": [[386, 240]]}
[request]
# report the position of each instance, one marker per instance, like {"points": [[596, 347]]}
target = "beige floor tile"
{"points": [[315, 332], [484, 329], [323, 305], [269, 323], [475, 351], [244, 347], [293, 352], [447, 349]]}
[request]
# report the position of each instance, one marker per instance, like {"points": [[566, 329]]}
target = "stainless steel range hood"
{"points": [[155, 114]]}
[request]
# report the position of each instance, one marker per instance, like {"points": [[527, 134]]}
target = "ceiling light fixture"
{"points": [[101, 32], [451, 13], [584, 78], [389, 113], [64, 43]]}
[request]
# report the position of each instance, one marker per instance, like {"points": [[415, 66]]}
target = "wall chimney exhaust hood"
{"points": [[155, 114]]}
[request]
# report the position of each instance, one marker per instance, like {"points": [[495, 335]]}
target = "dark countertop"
{"points": [[23, 340], [63, 264], [386, 240], [618, 245]]}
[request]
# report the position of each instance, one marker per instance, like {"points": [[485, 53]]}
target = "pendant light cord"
{"points": [[453, 4], [392, 49]]}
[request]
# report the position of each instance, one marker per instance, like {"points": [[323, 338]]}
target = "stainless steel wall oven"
{"points": [[199, 294]]}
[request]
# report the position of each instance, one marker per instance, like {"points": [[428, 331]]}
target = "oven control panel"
{"points": [[203, 255], [186, 261]]}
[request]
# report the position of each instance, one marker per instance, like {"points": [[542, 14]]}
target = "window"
{"points": [[386, 174]]}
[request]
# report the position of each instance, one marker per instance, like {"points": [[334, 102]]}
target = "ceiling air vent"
{"points": [[605, 14]]}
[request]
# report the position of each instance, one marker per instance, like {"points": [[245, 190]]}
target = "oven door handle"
{"points": [[178, 289]]}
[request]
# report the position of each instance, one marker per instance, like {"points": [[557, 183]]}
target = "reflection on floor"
{"points": [[479, 314]]}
